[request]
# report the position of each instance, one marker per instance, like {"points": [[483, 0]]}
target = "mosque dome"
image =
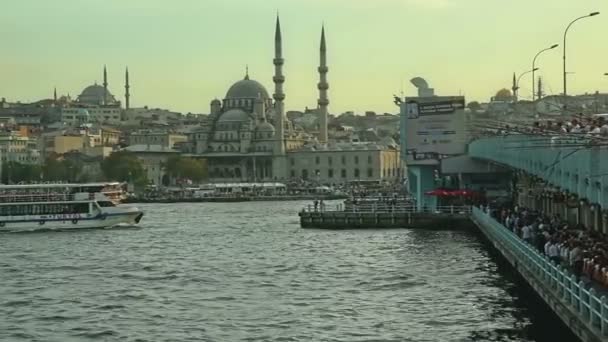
{"points": [[247, 88], [83, 113], [234, 115], [265, 127], [216, 102], [96, 95]]}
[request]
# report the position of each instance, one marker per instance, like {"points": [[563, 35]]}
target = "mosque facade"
{"points": [[248, 138], [96, 104]]}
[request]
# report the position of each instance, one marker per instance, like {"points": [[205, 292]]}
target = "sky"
{"points": [[183, 53]]}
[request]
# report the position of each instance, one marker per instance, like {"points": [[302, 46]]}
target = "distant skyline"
{"points": [[184, 53]]}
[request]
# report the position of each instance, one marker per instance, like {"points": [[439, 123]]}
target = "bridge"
{"points": [[558, 174]]}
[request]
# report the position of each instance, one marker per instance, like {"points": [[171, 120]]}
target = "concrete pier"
{"points": [[401, 217]]}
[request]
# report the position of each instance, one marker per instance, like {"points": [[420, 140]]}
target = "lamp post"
{"points": [[534, 67], [519, 78], [592, 14]]}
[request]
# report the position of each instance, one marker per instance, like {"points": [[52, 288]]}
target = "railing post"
{"points": [[590, 301], [572, 288], [603, 311], [452, 209], [579, 306]]}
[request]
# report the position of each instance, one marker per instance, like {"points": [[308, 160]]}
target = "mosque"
{"points": [[248, 138], [97, 104]]}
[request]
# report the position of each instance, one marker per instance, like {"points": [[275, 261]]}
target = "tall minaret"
{"points": [[55, 95], [127, 86], [539, 91], [105, 85], [323, 86], [278, 95], [514, 87]]}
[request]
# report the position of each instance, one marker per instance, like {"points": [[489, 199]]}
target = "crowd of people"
{"points": [[572, 246], [578, 125]]}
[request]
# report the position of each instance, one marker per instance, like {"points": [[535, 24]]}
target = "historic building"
{"points": [[248, 138], [101, 106]]}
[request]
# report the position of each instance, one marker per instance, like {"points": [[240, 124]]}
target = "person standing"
{"points": [[526, 233], [554, 252]]}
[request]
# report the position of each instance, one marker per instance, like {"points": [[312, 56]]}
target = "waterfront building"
{"points": [[340, 163], [154, 159]]}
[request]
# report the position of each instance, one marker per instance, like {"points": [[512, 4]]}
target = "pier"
{"points": [[374, 216], [581, 306]]}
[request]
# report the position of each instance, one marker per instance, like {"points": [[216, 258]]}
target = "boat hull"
{"points": [[100, 221]]}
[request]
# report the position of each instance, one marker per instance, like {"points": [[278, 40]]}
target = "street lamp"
{"points": [[519, 78], [592, 14], [534, 67]]}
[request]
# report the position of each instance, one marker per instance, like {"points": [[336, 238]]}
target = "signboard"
{"points": [[434, 127]]}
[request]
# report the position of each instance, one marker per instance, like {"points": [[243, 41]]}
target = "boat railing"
{"points": [[590, 305], [380, 199], [378, 209], [21, 198]]}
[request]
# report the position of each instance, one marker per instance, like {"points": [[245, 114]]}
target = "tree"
{"points": [[474, 106], [54, 169], [124, 166], [15, 172], [178, 167]]}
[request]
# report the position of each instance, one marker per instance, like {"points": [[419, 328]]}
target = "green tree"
{"points": [[15, 172], [474, 106], [124, 166], [178, 167], [54, 169]]}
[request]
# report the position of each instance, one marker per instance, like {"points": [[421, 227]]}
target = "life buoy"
{"points": [[103, 216], [41, 222], [75, 221]]}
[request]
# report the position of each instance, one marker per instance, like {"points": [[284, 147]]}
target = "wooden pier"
{"points": [[396, 217]]}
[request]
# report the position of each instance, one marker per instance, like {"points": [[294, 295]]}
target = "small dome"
{"points": [[96, 95], [83, 112], [216, 102], [247, 89], [265, 127], [234, 115]]}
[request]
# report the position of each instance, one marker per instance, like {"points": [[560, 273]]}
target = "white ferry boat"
{"points": [[61, 206]]}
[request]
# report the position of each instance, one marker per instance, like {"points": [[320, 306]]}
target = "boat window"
{"points": [[105, 204]]}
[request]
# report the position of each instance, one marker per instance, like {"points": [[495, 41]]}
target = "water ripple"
{"points": [[246, 272]]}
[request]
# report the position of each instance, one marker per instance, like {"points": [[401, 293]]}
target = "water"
{"points": [[247, 272]]}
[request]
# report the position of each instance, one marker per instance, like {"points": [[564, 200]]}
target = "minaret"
{"points": [[514, 87], [539, 91], [278, 95], [55, 95], [105, 85], [323, 86], [127, 86]]}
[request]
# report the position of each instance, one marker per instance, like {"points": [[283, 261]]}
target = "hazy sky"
{"points": [[183, 53]]}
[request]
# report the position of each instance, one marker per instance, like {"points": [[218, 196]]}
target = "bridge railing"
{"points": [[383, 208], [587, 303]]}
